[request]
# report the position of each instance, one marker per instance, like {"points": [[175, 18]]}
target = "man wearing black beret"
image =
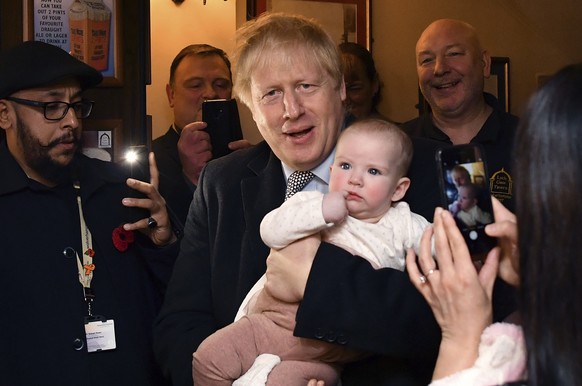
{"points": [[80, 283]]}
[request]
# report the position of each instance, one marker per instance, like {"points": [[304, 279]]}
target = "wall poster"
{"points": [[85, 28]]}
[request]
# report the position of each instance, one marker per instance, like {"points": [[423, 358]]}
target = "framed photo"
{"points": [[102, 139], [498, 82], [345, 20], [89, 30], [497, 85]]}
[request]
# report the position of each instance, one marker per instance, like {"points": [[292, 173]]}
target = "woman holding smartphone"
{"points": [[538, 252]]}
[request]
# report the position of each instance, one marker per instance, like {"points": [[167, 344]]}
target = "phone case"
{"points": [[465, 193], [223, 124], [135, 164]]}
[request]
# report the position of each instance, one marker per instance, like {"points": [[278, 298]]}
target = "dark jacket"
{"points": [[42, 329], [173, 186], [222, 255], [496, 137]]}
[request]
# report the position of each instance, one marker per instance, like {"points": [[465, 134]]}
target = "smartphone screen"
{"points": [[223, 124], [464, 184]]}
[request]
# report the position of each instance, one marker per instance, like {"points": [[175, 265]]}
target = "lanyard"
{"points": [[85, 265]]}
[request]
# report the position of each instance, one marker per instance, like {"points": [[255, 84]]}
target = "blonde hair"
{"points": [[281, 34]]}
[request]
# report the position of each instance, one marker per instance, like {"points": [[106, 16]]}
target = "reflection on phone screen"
{"points": [[468, 199]]}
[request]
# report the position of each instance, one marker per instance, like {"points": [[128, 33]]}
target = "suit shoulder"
{"points": [[411, 127], [237, 165], [169, 138], [241, 159]]}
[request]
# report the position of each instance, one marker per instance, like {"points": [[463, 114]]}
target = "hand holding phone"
{"points": [[465, 193], [223, 124]]}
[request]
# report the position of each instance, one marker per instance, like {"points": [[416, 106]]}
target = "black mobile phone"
{"points": [[223, 124], [135, 164], [465, 193]]}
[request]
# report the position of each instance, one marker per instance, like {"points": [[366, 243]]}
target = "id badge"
{"points": [[100, 334]]}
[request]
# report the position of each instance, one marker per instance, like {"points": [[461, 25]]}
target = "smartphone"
{"points": [[223, 124], [464, 186], [135, 163]]}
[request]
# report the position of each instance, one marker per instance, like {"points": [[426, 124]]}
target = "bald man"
{"points": [[452, 67]]}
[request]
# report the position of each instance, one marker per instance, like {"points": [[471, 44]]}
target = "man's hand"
{"points": [[194, 150], [288, 269], [159, 231], [239, 144]]}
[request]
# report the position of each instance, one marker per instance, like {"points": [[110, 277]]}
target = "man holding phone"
{"points": [[81, 283], [199, 72]]}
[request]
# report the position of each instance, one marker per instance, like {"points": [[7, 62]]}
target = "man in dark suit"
{"points": [[289, 75], [198, 72]]}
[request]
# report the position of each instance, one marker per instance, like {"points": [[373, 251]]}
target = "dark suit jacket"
{"points": [[222, 255], [174, 187]]}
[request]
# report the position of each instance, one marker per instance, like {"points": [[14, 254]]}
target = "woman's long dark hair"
{"points": [[548, 182]]}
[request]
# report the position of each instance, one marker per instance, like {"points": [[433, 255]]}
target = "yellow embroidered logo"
{"points": [[501, 185]]}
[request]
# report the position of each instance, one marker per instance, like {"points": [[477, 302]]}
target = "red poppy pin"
{"points": [[122, 238]]}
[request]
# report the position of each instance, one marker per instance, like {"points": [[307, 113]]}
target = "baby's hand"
{"points": [[454, 208], [334, 207]]}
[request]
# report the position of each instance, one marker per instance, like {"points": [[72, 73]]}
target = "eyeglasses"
{"points": [[55, 111]]}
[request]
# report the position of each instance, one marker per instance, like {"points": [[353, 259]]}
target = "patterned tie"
{"points": [[297, 181]]}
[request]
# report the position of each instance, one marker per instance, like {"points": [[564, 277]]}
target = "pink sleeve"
{"points": [[502, 358]]}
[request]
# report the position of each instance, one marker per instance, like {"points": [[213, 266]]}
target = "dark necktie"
{"points": [[297, 181]]}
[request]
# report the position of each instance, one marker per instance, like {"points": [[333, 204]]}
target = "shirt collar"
{"points": [[488, 132], [321, 171]]}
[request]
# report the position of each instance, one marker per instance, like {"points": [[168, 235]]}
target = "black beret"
{"points": [[35, 64]]}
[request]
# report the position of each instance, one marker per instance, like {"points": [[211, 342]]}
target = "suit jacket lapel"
{"points": [[261, 193]]}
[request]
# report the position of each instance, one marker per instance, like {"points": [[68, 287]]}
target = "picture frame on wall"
{"points": [[498, 82], [102, 139], [89, 30], [345, 20]]}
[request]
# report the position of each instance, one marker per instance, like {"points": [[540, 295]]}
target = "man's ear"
{"points": [[486, 58], [343, 94], [170, 94], [401, 188], [5, 121], [375, 85]]}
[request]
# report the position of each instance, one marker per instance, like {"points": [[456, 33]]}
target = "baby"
{"points": [[469, 213], [361, 214]]}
